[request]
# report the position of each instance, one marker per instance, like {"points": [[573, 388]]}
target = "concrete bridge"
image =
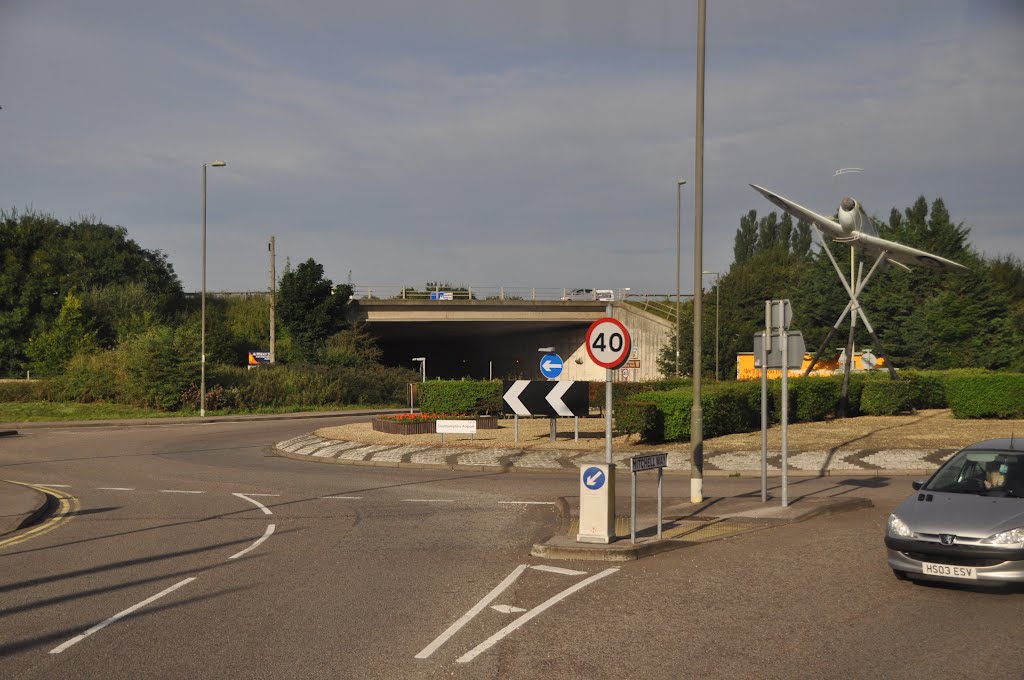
{"points": [[474, 334]]}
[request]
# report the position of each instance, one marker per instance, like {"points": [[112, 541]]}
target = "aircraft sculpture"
{"points": [[855, 228]]}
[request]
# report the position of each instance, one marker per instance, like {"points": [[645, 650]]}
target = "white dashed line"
{"points": [[428, 500], [265, 509], [113, 488], [347, 498], [265, 536], [120, 615], [558, 570], [526, 502], [178, 491]]}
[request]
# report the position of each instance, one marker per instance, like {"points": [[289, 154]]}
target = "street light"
{"points": [[679, 257], [202, 380], [716, 321], [423, 367]]}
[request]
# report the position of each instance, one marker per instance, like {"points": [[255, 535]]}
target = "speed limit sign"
{"points": [[608, 342]]}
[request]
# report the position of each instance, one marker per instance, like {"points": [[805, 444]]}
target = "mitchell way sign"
{"points": [[541, 398]]}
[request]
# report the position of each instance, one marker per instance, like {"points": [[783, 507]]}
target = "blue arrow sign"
{"points": [[593, 478], [551, 365]]}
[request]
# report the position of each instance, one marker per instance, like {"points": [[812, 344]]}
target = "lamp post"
{"points": [[679, 257], [697, 411], [423, 367], [202, 379], [716, 321]]}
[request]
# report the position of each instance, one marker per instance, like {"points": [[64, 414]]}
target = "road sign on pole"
{"points": [[563, 398], [608, 343], [551, 366]]}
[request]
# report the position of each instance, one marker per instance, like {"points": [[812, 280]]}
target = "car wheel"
{"points": [[900, 575]]}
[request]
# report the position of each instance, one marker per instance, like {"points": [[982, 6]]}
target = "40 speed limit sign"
{"points": [[608, 342]]}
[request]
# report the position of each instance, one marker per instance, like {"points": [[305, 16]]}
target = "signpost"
{"points": [[653, 461], [443, 427], [777, 347]]}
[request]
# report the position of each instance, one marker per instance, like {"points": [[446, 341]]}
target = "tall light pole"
{"points": [[697, 411], [716, 320], [679, 257], [202, 380]]}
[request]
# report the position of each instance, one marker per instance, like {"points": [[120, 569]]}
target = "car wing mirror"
{"points": [[917, 484]]}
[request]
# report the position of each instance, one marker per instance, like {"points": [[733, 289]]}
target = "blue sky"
{"points": [[500, 142]]}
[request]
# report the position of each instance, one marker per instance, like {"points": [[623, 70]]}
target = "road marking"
{"points": [[265, 509], [269, 495], [53, 486], [526, 502], [349, 498], [428, 500], [120, 615], [468, 616], [558, 570], [265, 536], [67, 505], [178, 491], [113, 488], [533, 613], [507, 608]]}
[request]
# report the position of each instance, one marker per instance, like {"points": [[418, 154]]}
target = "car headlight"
{"points": [[898, 527], [1011, 537]]}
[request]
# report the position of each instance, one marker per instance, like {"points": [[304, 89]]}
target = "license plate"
{"points": [[948, 570]]}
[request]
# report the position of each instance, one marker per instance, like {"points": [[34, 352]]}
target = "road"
{"points": [[196, 552]]}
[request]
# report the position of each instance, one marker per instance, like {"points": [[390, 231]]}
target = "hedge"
{"points": [[461, 396], [641, 418], [986, 395], [888, 397]]}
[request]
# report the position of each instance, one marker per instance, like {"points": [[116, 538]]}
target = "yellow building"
{"points": [[745, 366]]}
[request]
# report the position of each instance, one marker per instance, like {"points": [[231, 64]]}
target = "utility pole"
{"points": [[273, 299]]}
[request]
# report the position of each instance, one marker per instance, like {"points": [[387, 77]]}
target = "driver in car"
{"points": [[995, 478]]}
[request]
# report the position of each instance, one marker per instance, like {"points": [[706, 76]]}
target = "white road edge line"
{"points": [[558, 570], [113, 488], [349, 498], [536, 611], [265, 509], [120, 615], [526, 502], [477, 608], [265, 536], [178, 491]]}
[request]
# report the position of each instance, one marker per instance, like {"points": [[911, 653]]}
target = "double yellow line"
{"points": [[67, 506]]}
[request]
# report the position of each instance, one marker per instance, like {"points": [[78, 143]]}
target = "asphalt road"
{"points": [[196, 552]]}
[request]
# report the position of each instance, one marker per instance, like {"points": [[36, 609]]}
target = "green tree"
{"points": [[49, 352], [311, 307], [745, 243]]}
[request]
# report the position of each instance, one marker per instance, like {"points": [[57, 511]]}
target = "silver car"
{"points": [[966, 522]]}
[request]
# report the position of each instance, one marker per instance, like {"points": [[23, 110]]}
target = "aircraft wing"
{"points": [[901, 254], [826, 224]]}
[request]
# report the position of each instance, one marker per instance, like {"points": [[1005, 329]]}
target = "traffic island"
{"points": [[683, 524]]}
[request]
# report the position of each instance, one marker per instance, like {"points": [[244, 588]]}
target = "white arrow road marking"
{"points": [[555, 398], [265, 536], [533, 613], [265, 509], [120, 615], [512, 397], [592, 479], [507, 609], [468, 616]]}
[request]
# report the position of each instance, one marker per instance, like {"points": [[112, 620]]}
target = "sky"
{"points": [[487, 143]]}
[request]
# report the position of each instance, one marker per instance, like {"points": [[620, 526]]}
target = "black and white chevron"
{"points": [[551, 398]]}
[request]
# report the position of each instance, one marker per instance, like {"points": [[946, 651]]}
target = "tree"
{"points": [[49, 352], [311, 307], [745, 243]]}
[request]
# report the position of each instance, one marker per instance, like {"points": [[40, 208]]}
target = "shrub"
{"points": [[25, 390], [816, 398], [159, 366], [461, 396], [986, 395], [641, 418], [675, 406], [730, 408], [91, 377], [888, 397]]}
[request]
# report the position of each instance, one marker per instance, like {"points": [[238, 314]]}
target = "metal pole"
{"points": [[659, 502], [202, 351], [784, 334], [697, 412], [679, 257], [716, 327], [632, 512], [273, 302], [764, 400]]}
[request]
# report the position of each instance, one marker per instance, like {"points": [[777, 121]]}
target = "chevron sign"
{"points": [[551, 398]]}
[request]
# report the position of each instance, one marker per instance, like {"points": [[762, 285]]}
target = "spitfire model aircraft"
{"points": [[859, 231]]}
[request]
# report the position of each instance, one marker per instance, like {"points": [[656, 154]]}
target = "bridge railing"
{"points": [[497, 293]]}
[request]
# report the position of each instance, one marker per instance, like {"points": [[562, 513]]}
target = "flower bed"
{"points": [[425, 423]]}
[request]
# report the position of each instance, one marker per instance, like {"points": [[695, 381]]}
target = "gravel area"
{"points": [[929, 429]]}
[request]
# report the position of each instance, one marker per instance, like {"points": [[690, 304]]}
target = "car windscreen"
{"points": [[981, 472]]}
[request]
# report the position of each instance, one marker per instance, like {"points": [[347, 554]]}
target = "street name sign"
{"points": [[651, 461], [543, 398]]}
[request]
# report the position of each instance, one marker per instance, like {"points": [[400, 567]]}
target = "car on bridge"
{"points": [[602, 295]]}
